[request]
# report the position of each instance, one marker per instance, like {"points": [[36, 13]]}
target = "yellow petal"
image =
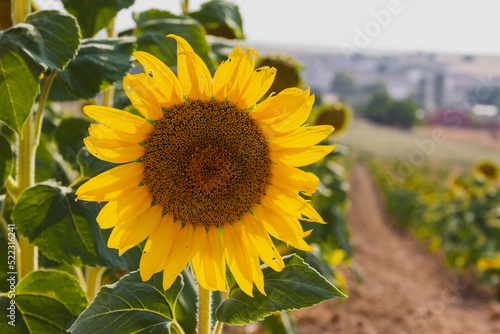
{"points": [[199, 242], [286, 203], [298, 157], [162, 79], [287, 102], [158, 247], [208, 261], [263, 243], [102, 132], [280, 228], [139, 91], [177, 228], [233, 74], [243, 72], [307, 210], [108, 151], [193, 74], [119, 120], [290, 117], [129, 206], [219, 261], [253, 258], [112, 184], [302, 137], [294, 179], [225, 73], [289, 215], [258, 84], [178, 258], [117, 233], [293, 205], [143, 226], [237, 257]]}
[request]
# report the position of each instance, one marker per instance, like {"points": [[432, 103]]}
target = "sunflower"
{"points": [[338, 114], [288, 72], [488, 169], [206, 176]]}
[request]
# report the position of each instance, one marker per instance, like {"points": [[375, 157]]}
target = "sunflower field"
{"points": [[454, 213], [154, 181]]}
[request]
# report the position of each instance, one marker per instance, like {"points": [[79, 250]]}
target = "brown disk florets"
{"points": [[206, 162]]}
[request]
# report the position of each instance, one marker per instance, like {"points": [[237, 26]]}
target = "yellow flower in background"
{"points": [[338, 115], [488, 169], [206, 175], [488, 263]]}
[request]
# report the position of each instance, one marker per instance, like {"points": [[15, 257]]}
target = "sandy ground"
{"points": [[405, 289]]}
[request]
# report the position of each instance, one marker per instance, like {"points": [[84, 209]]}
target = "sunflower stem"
{"points": [[94, 276], [218, 327], [204, 303], [108, 94], [81, 277], [11, 186], [20, 9], [49, 78], [5, 230], [218, 324], [178, 328], [27, 144], [28, 259], [185, 6]]}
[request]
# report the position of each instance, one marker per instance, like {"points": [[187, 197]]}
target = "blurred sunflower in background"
{"points": [[338, 115], [288, 72], [206, 176], [488, 169]]}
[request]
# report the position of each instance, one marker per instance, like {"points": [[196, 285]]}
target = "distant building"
{"points": [[487, 116], [449, 117]]}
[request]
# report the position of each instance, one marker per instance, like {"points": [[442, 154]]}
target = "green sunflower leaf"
{"points": [[91, 166], [281, 323], [18, 89], [152, 27], [5, 160], [66, 230], [131, 306], [49, 39], [97, 66], [220, 18], [296, 286], [69, 136], [45, 302], [222, 47], [94, 15], [49, 165]]}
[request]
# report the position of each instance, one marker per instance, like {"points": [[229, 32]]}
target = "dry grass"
{"points": [[421, 145]]}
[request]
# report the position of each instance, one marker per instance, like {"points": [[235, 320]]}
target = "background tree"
{"points": [[344, 85], [382, 109]]}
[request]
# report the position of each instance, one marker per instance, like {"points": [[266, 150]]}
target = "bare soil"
{"points": [[406, 289]]}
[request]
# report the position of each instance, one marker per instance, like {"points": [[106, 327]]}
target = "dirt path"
{"points": [[405, 289]]}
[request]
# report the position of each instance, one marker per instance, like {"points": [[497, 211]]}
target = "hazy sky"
{"points": [[462, 26]]}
